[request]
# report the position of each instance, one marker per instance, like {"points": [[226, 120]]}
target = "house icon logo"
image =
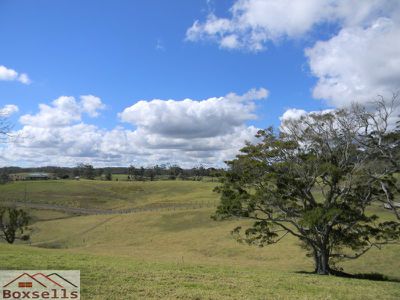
{"points": [[40, 284]]}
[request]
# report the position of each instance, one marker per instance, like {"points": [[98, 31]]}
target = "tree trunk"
{"points": [[8, 236], [321, 257]]}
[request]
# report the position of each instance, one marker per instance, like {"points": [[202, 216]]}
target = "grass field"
{"points": [[176, 253], [108, 194], [106, 277]]}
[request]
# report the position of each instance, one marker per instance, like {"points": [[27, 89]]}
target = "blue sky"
{"points": [[126, 51], [109, 49]]}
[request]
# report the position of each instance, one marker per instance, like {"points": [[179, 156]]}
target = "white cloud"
{"points": [[63, 111], [160, 45], [292, 114], [91, 105], [355, 65], [230, 41], [358, 63], [7, 74], [190, 118], [8, 109], [186, 132], [253, 23], [295, 113], [24, 78]]}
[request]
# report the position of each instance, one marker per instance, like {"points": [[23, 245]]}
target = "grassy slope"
{"points": [[125, 278], [188, 236], [108, 194], [177, 253]]}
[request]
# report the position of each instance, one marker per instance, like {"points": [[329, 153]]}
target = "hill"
{"points": [[109, 194], [175, 252]]}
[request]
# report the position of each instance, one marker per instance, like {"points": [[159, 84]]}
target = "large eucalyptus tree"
{"points": [[316, 179]]}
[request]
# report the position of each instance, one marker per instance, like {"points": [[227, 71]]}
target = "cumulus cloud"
{"points": [[91, 105], [7, 74], [358, 63], [292, 114], [253, 23], [186, 132], [8, 109], [295, 113], [23, 78], [190, 118], [63, 111]]}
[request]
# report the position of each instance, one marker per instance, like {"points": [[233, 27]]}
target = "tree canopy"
{"points": [[316, 179], [13, 223]]}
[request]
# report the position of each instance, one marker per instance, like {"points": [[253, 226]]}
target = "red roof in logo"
{"points": [[24, 275]]}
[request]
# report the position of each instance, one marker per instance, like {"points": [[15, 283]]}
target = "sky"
{"points": [[114, 83]]}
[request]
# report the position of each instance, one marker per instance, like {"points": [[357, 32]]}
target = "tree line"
{"points": [[133, 173]]}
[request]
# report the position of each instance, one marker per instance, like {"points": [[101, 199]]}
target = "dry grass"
{"points": [[177, 254], [106, 277], [108, 194]]}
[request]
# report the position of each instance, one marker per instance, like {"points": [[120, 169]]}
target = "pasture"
{"points": [[174, 252], [109, 194]]}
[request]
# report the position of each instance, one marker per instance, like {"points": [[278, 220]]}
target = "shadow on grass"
{"points": [[366, 276], [51, 245]]}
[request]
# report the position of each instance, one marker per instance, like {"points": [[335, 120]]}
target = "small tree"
{"points": [[100, 172], [140, 174], [131, 172], [310, 181], [174, 171], [4, 177], [85, 170], [108, 175], [150, 173], [183, 175], [13, 223]]}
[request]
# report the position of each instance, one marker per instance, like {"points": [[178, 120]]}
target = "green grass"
{"points": [[106, 277], [119, 177], [108, 194], [176, 254], [190, 236]]}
